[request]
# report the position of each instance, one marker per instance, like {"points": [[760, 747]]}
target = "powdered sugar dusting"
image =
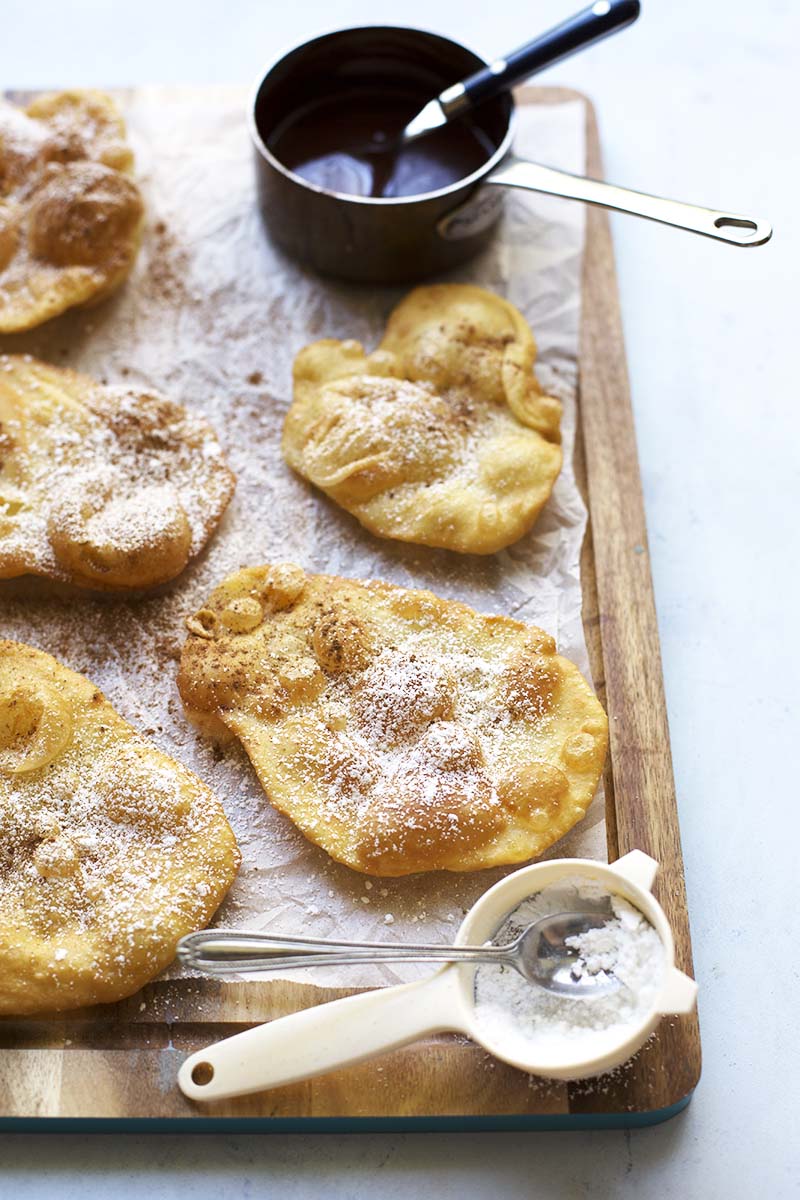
{"points": [[418, 736], [113, 468], [69, 214], [540, 1027], [226, 351], [105, 847]]}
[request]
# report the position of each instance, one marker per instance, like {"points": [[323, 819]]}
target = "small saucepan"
{"points": [[397, 239]]}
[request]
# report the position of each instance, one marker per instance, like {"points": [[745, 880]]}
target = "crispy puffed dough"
{"points": [[109, 850], [399, 731], [442, 436], [70, 216], [101, 486]]}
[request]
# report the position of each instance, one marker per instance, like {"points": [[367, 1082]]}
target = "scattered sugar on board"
{"points": [[531, 1023]]}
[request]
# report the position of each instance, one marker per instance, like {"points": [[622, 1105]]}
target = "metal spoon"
{"points": [[576, 33], [350, 169], [540, 953]]}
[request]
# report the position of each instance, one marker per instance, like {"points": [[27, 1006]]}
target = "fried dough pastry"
{"points": [[101, 486], [70, 216], [109, 850], [399, 731], [442, 435]]}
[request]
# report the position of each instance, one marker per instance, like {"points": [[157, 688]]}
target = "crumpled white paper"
{"points": [[213, 316]]}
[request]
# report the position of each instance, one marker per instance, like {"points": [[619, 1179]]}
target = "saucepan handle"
{"points": [[734, 228], [323, 1038]]}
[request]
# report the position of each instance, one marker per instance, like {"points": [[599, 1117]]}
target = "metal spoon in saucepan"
{"points": [[586, 27], [541, 953], [372, 167]]}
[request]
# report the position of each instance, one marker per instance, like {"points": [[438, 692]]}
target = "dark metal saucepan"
{"points": [[397, 240]]}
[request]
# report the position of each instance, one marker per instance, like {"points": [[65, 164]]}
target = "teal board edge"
{"points": [[488, 1124]]}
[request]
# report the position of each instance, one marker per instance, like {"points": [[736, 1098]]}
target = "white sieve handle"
{"points": [[323, 1038]]}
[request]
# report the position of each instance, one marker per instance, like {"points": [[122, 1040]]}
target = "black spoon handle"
{"points": [[588, 26]]}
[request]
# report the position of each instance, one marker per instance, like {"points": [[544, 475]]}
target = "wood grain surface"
{"points": [[121, 1061]]}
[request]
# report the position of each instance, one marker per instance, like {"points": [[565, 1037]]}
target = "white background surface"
{"points": [[699, 100]]}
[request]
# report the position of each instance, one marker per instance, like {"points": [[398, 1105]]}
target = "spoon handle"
{"points": [[588, 26], [734, 228], [219, 951]]}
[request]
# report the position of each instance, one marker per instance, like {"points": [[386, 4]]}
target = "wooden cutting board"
{"points": [[115, 1067]]}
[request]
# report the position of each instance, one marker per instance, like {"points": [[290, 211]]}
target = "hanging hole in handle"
{"points": [[202, 1074], [735, 222], [749, 228]]}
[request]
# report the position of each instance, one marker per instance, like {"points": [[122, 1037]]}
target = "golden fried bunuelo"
{"points": [[399, 731], [442, 435], [102, 486], [109, 850], [70, 216]]}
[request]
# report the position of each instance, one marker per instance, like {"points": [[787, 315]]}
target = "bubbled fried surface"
{"points": [[399, 731], [70, 216], [102, 486], [442, 435], [109, 850]]}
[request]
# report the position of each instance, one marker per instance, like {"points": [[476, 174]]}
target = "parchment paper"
{"points": [[213, 316]]}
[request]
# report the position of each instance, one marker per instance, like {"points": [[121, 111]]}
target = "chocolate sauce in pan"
{"points": [[346, 143]]}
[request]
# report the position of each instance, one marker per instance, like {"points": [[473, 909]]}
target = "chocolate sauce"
{"points": [[347, 143]]}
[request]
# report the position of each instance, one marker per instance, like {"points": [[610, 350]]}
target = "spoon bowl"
{"points": [[543, 955]]}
